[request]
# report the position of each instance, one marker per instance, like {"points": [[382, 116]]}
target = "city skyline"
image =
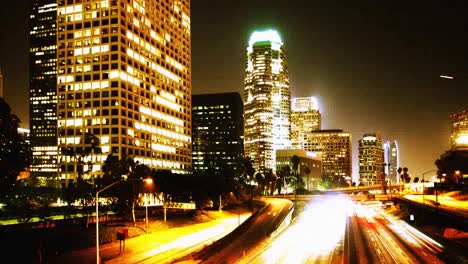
{"points": [[373, 70]]}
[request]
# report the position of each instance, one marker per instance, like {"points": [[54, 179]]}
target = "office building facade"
{"points": [[371, 159], [334, 146], [267, 100], [124, 80], [391, 161], [43, 92], [217, 133], [459, 130], [305, 118]]}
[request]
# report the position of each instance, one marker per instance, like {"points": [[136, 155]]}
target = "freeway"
{"points": [[380, 238], [334, 229], [255, 232], [317, 236]]}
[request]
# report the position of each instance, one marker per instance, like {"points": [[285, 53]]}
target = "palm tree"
{"points": [[307, 172], [295, 168]]}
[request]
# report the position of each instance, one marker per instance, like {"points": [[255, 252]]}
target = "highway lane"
{"points": [[333, 229], [231, 249], [391, 240], [317, 236]]}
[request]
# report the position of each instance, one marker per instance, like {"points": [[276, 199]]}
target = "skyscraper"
{"points": [[42, 91], [266, 99], [124, 82], [459, 130], [305, 118], [334, 145], [217, 127], [371, 159], [392, 161]]}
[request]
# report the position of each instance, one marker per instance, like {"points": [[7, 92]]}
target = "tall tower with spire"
{"points": [[267, 99]]}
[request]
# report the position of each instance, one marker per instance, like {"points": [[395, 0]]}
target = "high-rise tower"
{"points": [[305, 118], [124, 82], [266, 100], [217, 127], [42, 91], [371, 159], [335, 148], [392, 161], [459, 130]]}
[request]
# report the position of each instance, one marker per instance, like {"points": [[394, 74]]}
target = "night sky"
{"points": [[374, 65]]}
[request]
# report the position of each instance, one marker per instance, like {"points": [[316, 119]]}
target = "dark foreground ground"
{"points": [[29, 243]]}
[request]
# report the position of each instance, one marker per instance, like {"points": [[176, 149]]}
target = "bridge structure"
{"points": [[431, 212], [423, 212]]}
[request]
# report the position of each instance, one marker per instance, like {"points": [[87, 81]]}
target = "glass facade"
{"points": [[334, 146], [267, 100], [217, 133], [305, 118], [42, 91], [371, 159], [124, 78], [392, 161], [459, 130]]}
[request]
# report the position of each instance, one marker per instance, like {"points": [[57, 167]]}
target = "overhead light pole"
{"points": [[148, 180], [423, 182]]}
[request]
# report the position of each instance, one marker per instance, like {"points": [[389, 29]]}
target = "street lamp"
{"points": [[424, 182], [147, 181], [457, 176], [97, 211]]}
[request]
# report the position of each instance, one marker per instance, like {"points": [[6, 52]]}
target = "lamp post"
{"points": [[147, 181], [423, 181], [146, 209], [437, 200], [97, 212], [457, 176]]}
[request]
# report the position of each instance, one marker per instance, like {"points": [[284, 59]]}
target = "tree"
{"points": [[404, 176], [453, 164], [15, 154], [127, 192], [307, 172], [295, 164], [295, 169], [247, 170]]}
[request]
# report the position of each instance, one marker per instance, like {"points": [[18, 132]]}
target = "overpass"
{"points": [[358, 197], [432, 213], [365, 188]]}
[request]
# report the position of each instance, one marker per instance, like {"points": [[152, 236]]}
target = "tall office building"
{"points": [[459, 130], [371, 159], [217, 128], [266, 100], [305, 118], [124, 81], [392, 161], [42, 91], [334, 145]]}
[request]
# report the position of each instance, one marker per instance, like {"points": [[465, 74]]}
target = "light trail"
{"points": [[313, 237]]}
